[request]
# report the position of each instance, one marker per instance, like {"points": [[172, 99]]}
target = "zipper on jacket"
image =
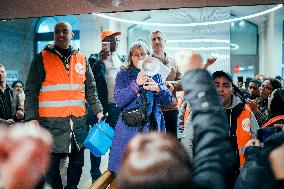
{"points": [[73, 134]]}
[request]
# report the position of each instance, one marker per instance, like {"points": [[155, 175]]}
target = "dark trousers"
{"points": [[74, 170], [171, 118], [113, 115]]}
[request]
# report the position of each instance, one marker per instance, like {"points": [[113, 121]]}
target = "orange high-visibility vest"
{"points": [[62, 95], [272, 120], [243, 132]]}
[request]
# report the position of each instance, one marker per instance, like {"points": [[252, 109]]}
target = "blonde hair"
{"points": [[137, 44]]}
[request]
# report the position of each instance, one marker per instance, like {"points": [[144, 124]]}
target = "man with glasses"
{"points": [[259, 106], [242, 122], [105, 65]]}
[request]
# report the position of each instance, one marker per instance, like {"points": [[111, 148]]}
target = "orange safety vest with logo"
{"points": [[272, 120], [62, 94], [243, 132]]}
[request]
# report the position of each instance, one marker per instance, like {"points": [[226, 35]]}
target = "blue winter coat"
{"points": [[126, 97]]}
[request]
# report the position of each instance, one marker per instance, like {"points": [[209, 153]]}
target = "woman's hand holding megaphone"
{"points": [[151, 85], [141, 78]]}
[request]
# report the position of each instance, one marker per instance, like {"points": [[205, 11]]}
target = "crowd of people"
{"points": [[217, 137]]}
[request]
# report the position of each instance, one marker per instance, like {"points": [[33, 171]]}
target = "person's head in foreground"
{"points": [[24, 155], [155, 160]]}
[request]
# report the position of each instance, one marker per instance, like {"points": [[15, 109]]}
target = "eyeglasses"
{"points": [[266, 88], [137, 55]]}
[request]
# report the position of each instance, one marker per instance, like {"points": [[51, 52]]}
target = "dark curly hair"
{"points": [[277, 102]]}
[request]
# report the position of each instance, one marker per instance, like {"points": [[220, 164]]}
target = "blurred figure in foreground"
{"points": [[24, 155], [264, 168], [150, 159], [213, 155]]}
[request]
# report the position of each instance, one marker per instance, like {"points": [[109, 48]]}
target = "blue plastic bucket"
{"points": [[99, 139]]}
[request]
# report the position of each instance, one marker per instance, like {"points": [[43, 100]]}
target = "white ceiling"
{"points": [[11, 9]]}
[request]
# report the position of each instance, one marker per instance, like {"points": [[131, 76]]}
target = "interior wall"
{"points": [[270, 44], [91, 28], [17, 45]]}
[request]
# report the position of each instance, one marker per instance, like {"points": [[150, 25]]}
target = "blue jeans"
{"points": [[113, 115]]}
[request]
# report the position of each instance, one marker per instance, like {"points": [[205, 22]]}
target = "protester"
{"points": [[58, 84], [264, 165], [19, 87], [158, 42], [253, 89], [276, 108], [24, 155], [259, 106], [139, 97], [213, 153], [105, 66]]}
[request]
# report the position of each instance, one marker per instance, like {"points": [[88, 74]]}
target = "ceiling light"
{"points": [[197, 40], [190, 24], [242, 23], [232, 47], [199, 48]]}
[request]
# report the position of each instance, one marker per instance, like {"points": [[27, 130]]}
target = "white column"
{"points": [[270, 52], [90, 33]]}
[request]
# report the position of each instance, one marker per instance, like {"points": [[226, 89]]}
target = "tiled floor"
{"points": [[86, 180]]}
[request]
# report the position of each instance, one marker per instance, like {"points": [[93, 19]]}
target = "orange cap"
{"points": [[108, 32]]}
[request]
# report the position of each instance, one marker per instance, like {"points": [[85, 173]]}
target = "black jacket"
{"points": [[14, 102], [256, 172], [213, 155], [99, 72]]}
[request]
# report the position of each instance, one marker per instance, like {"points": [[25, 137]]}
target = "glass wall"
{"points": [[44, 31]]}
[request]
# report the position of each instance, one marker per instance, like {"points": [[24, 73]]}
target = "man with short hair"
{"points": [[105, 65], [58, 84], [158, 42], [253, 89], [243, 125], [11, 109]]}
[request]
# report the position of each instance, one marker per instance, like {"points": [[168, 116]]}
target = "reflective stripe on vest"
{"points": [[272, 120], [243, 132], [59, 87], [64, 103], [63, 93]]}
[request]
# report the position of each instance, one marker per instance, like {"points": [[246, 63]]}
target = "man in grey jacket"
{"points": [[58, 84]]}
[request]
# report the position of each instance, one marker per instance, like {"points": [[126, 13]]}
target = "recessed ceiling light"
{"points": [[190, 24]]}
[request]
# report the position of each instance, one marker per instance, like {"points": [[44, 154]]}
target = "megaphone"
{"points": [[151, 66]]}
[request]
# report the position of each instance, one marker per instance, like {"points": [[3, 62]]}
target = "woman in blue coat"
{"points": [[133, 88]]}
